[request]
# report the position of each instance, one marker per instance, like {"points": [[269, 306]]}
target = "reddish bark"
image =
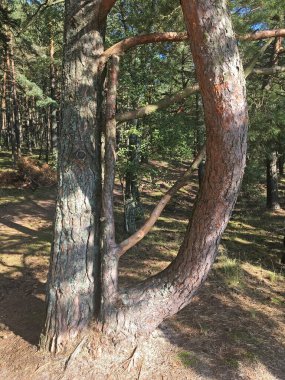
{"points": [[262, 34], [105, 8], [122, 46], [221, 79]]}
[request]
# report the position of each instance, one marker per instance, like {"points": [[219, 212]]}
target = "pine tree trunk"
{"points": [[3, 130], [16, 117], [281, 165], [272, 183], [132, 206], [222, 84], [52, 109], [74, 269], [9, 108]]}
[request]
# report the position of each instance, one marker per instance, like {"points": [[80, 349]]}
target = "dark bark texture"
{"points": [[272, 198], [74, 269]]}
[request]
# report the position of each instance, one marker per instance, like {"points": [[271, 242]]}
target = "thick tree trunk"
{"points": [[222, 84], [74, 270], [272, 201]]}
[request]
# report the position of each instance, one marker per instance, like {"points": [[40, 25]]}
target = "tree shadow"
{"points": [[223, 330], [24, 253]]}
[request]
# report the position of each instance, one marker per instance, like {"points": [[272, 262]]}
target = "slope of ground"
{"points": [[233, 329]]}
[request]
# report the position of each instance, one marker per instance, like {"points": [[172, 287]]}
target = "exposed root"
{"points": [[130, 363], [75, 353]]}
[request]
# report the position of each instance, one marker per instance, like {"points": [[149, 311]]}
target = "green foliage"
{"points": [[188, 358]]}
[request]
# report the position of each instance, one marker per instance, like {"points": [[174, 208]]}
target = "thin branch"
{"points": [[140, 234], [250, 67], [262, 34], [269, 70], [164, 103], [105, 8], [42, 7]]}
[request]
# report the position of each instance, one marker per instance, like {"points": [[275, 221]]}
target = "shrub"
{"points": [[35, 175]]}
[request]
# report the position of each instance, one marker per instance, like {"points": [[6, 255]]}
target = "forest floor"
{"points": [[233, 329]]}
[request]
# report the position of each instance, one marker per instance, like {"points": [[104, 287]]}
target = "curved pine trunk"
{"points": [[222, 84]]}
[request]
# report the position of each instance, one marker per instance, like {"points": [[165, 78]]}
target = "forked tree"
{"points": [[83, 276]]}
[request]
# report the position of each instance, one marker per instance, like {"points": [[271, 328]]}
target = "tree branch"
{"points": [[179, 96], [42, 7], [262, 34], [140, 234], [164, 103], [105, 8], [128, 43], [269, 70], [122, 46]]}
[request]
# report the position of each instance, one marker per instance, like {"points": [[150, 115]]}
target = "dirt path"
{"points": [[230, 331]]}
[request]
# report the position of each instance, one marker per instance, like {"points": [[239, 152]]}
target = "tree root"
{"points": [[75, 353]]}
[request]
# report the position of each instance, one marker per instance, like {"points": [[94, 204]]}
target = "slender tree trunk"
{"points": [[3, 130], [110, 258], [132, 206], [9, 108], [272, 202], [221, 79], [52, 108], [74, 270], [281, 165], [200, 131], [16, 116]]}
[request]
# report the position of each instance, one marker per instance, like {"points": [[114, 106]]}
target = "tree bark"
{"points": [[109, 250], [221, 79], [3, 131], [281, 165], [272, 202], [73, 283], [17, 127], [52, 108]]}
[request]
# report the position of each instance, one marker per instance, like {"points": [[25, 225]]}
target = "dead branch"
{"points": [[141, 233]]}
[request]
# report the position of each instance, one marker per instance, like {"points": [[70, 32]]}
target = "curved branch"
{"points": [[128, 43], [105, 8], [122, 46], [141, 233]]}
